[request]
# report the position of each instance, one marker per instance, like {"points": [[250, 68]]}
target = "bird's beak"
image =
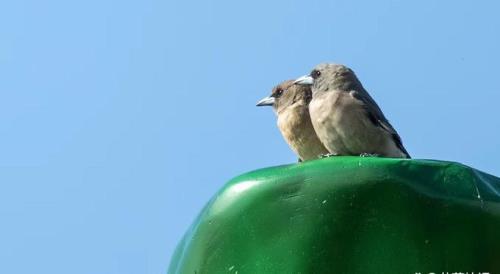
{"points": [[268, 101], [304, 80]]}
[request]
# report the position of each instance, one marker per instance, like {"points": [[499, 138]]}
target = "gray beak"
{"points": [[268, 101], [304, 80]]}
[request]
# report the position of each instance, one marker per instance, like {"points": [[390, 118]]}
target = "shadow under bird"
{"points": [[290, 102], [346, 118]]}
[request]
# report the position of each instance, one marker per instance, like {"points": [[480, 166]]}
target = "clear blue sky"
{"points": [[120, 119]]}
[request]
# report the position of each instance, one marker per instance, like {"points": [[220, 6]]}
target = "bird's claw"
{"points": [[368, 155], [328, 155]]}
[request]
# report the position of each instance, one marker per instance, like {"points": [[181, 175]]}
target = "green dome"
{"points": [[348, 215]]}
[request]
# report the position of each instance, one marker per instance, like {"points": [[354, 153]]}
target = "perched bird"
{"points": [[346, 118], [290, 103]]}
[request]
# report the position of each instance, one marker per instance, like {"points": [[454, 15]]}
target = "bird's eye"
{"points": [[315, 74], [279, 92]]}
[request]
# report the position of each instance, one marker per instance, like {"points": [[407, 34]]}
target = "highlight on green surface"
{"points": [[348, 215]]}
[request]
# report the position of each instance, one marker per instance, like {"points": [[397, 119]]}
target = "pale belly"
{"points": [[341, 124], [295, 126], [325, 120]]}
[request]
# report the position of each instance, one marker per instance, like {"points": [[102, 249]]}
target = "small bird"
{"points": [[290, 103], [346, 118]]}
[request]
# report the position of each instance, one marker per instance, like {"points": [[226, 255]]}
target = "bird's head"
{"points": [[328, 76], [286, 94]]}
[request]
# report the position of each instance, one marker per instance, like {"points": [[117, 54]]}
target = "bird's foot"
{"points": [[328, 155], [368, 155]]}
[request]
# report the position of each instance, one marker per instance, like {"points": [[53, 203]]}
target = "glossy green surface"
{"points": [[348, 215]]}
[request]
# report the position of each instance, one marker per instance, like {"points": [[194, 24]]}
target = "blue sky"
{"points": [[120, 119]]}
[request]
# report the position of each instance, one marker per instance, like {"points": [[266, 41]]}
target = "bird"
{"points": [[345, 117], [290, 103]]}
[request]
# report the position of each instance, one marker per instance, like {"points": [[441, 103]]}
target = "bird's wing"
{"points": [[377, 117]]}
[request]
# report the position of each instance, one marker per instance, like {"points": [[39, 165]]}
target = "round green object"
{"points": [[348, 215]]}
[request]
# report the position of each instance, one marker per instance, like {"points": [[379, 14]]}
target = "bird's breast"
{"points": [[296, 127]]}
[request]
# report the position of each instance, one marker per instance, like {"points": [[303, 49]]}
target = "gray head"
{"points": [[286, 94], [325, 77]]}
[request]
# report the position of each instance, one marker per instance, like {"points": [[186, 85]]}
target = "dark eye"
{"points": [[315, 74], [279, 92]]}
